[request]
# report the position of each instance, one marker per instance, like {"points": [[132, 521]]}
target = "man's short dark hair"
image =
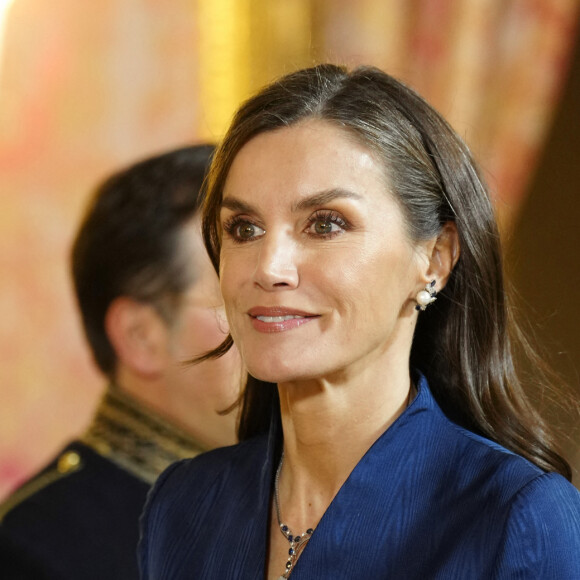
{"points": [[128, 243]]}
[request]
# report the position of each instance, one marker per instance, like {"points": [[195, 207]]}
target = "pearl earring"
{"points": [[426, 297]]}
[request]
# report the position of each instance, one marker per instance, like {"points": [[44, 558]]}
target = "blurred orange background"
{"points": [[88, 87]]}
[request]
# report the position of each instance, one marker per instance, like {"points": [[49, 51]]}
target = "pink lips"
{"points": [[278, 319]]}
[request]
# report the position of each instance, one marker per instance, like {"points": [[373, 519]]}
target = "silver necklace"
{"points": [[297, 543]]}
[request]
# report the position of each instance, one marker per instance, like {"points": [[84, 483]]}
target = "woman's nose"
{"points": [[276, 266]]}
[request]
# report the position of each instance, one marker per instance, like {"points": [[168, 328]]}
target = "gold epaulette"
{"points": [[135, 437], [67, 463], [123, 431]]}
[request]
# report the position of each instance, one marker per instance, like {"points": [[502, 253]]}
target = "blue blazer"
{"points": [[429, 500]]}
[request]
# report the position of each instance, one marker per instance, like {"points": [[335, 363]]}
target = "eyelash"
{"points": [[231, 225], [328, 216]]}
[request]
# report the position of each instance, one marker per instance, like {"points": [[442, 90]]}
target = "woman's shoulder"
{"points": [[512, 482], [542, 530], [468, 455], [473, 458], [552, 492], [496, 465], [531, 516], [476, 462]]}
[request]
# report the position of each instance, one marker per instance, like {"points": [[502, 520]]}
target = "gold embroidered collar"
{"points": [[135, 438]]}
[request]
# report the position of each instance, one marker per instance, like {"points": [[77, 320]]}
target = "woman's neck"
{"points": [[328, 426]]}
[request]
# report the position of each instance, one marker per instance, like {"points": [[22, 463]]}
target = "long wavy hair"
{"points": [[463, 342]]}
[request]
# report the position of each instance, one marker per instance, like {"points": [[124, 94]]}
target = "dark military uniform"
{"points": [[79, 517]]}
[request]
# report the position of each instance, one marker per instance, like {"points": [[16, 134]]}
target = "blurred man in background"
{"points": [[149, 300]]}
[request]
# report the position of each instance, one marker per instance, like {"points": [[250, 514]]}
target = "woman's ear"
{"points": [[138, 335], [444, 255]]}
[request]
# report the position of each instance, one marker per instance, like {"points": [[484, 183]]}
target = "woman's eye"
{"points": [[246, 231], [327, 224], [325, 227], [242, 230]]}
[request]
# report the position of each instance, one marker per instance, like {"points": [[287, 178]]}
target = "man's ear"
{"points": [[138, 335], [444, 255]]}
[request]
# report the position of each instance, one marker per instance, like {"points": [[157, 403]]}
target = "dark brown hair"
{"points": [[462, 343], [128, 243]]}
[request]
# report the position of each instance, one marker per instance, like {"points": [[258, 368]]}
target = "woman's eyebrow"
{"points": [[324, 197], [314, 200], [235, 204]]}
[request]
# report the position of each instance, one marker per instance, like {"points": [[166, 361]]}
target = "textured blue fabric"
{"points": [[429, 500]]}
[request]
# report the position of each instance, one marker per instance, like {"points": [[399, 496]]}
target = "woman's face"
{"points": [[317, 271]]}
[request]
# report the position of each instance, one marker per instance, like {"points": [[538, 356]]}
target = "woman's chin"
{"points": [[274, 373], [283, 374], [269, 376]]}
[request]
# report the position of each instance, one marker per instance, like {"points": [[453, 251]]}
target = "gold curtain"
{"points": [[243, 44], [494, 68]]}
